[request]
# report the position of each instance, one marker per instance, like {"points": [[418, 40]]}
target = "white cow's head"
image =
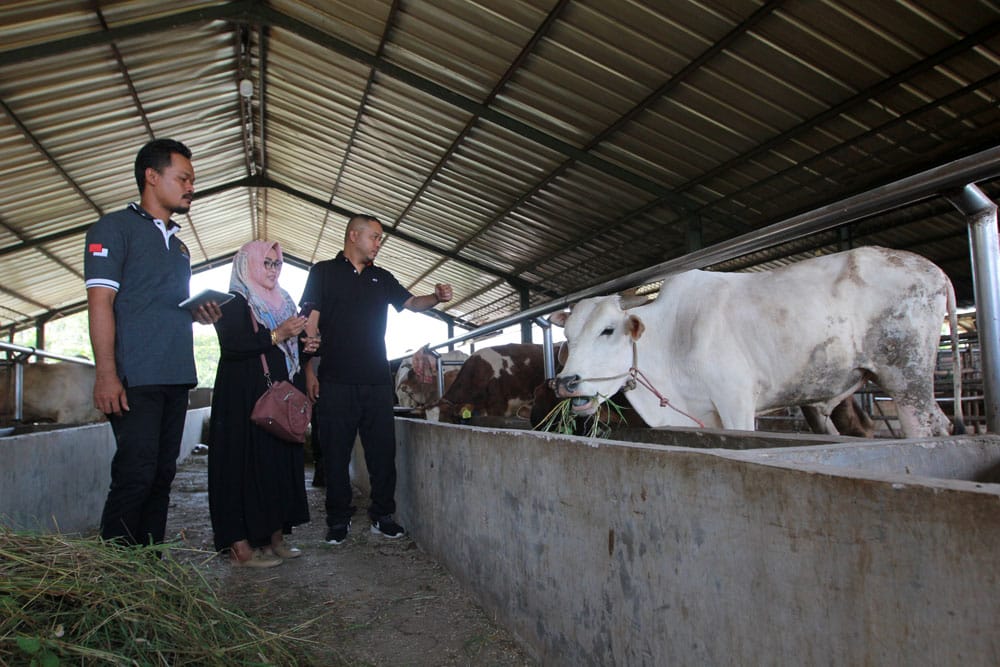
{"points": [[600, 334]]}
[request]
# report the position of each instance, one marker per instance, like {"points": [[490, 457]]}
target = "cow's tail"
{"points": [[956, 361]]}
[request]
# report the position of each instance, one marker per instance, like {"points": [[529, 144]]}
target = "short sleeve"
{"points": [[104, 254], [396, 294], [313, 291]]}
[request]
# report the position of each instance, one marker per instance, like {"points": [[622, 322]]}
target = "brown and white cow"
{"points": [[60, 392], [416, 379], [494, 381], [719, 348]]}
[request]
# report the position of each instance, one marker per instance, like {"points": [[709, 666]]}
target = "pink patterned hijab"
{"points": [[270, 307]]}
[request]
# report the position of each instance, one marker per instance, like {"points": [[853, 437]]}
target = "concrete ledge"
{"points": [[57, 480], [600, 552], [973, 458]]}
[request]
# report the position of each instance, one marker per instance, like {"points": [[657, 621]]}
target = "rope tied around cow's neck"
{"points": [[636, 376], [639, 377]]}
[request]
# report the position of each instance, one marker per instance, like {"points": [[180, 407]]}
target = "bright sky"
{"points": [[405, 332]]}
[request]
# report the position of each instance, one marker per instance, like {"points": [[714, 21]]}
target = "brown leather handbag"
{"points": [[282, 410]]}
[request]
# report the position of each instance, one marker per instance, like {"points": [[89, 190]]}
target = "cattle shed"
{"points": [[529, 153], [520, 151]]}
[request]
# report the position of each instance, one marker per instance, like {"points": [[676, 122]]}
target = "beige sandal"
{"points": [[258, 559], [282, 550]]}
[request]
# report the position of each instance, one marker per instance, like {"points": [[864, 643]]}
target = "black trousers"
{"points": [[346, 411], [148, 439], [316, 439]]}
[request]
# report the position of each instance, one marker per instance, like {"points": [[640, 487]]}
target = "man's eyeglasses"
{"points": [[276, 265]]}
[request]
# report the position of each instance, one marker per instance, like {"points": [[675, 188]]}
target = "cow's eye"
{"points": [[608, 331]]}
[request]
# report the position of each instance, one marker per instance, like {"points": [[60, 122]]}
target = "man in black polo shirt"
{"points": [[354, 386], [137, 272]]}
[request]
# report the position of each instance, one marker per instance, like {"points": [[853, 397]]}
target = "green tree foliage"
{"points": [[69, 336], [206, 354]]}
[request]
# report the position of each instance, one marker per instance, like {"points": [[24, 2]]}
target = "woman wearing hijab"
{"points": [[256, 482]]}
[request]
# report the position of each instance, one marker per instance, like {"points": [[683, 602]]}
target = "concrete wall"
{"points": [[57, 480], [601, 553]]}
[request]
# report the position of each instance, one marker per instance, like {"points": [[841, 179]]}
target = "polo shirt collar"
{"points": [[170, 225], [168, 229], [343, 258]]}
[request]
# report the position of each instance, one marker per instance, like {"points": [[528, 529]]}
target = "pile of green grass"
{"points": [[77, 601]]}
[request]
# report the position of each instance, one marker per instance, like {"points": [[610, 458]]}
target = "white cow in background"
{"points": [[61, 392], [719, 348]]}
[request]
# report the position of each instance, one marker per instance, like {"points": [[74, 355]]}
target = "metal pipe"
{"points": [[548, 357], [18, 392], [984, 249], [440, 374], [29, 351]]}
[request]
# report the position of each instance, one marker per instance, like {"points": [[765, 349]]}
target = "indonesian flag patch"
{"points": [[97, 250]]}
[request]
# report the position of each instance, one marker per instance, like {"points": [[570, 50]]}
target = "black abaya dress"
{"points": [[256, 482]]}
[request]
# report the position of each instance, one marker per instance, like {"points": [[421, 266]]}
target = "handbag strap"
{"points": [[263, 357]]}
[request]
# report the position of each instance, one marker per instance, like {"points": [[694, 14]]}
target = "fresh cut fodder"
{"points": [[72, 600]]}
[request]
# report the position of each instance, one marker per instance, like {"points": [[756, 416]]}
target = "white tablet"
{"points": [[204, 297]]}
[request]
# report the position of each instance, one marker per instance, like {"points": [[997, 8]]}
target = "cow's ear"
{"points": [[634, 327], [559, 318], [562, 352]]}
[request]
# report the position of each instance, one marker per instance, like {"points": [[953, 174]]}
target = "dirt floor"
{"points": [[369, 601]]}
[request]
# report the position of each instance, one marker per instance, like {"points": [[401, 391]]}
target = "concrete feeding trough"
{"points": [[55, 478], [612, 552]]}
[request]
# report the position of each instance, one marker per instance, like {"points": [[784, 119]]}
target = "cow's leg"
{"points": [[845, 417], [849, 418], [921, 417], [736, 412], [818, 422], [918, 412], [739, 422]]}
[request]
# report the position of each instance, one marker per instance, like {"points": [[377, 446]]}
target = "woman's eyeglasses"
{"points": [[276, 265]]}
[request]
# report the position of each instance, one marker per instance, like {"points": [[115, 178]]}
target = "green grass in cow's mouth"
{"points": [[562, 418]]}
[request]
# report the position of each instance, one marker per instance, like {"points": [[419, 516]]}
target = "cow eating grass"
{"points": [[716, 349], [564, 419]]}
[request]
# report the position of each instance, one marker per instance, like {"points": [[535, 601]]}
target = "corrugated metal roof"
{"points": [[520, 150]]}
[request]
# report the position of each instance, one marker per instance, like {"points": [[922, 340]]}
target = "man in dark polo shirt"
{"points": [[137, 271], [354, 388]]}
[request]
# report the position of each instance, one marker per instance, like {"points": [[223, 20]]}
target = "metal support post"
{"points": [[984, 248], [548, 357]]}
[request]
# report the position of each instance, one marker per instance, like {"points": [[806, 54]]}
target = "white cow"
{"points": [[61, 392], [719, 348]]}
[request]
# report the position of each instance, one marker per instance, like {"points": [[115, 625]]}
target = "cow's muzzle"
{"points": [[566, 385]]}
